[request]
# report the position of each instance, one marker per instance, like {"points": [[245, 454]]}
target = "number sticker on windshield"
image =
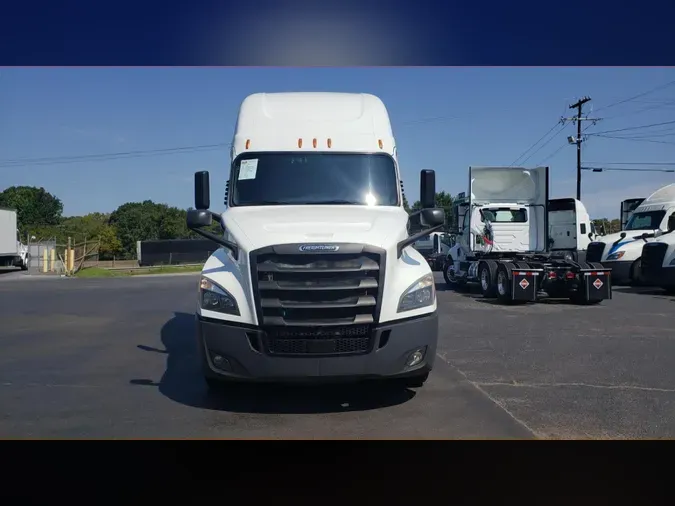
{"points": [[248, 169]]}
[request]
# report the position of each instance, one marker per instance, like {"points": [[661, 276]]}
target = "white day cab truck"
{"points": [[316, 278], [503, 242], [622, 251], [434, 248], [12, 252]]}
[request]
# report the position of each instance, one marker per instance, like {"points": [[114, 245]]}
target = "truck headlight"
{"points": [[616, 256], [421, 293], [215, 298]]}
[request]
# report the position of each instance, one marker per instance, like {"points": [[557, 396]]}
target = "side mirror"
{"points": [[198, 218], [622, 235], [427, 189], [432, 217], [202, 191]]}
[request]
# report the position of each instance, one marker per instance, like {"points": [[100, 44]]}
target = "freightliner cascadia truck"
{"points": [[316, 277]]}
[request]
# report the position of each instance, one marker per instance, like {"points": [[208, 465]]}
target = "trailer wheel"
{"points": [[487, 281]]}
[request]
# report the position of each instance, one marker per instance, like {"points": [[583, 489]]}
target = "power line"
{"points": [[634, 127], [559, 122], [553, 154], [603, 169], [57, 160], [631, 163], [22, 162], [629, 99], [630, 139]]}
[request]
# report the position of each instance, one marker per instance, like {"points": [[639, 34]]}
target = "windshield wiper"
{"points": [[272, 203]]}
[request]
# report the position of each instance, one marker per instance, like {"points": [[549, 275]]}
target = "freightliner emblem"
{"points": [[318, 247]]}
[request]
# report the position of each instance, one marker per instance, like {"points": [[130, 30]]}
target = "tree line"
{"points": [[40, 214]]}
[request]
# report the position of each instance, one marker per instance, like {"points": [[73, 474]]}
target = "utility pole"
{"points": [[578, 140]]}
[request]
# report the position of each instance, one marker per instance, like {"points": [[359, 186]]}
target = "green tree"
{"points": [[444, 200], [34, 206], [145, 221]]}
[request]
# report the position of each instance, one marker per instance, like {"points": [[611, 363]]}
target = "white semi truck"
{"points": [[12, 252], [622, 251], [570, 229], [316, 277], [658, 258], [435, 248], [504, 243]]}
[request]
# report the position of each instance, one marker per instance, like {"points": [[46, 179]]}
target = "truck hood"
{"points": [[631, 235], [631, 245], [258, 227]]}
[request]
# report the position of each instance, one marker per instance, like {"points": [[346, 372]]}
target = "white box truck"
{"points": [[316, 278], [12, 252]]}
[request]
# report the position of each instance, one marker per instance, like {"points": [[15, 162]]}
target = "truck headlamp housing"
{"points": [[616, 256], [215, 298], [421, 293]]}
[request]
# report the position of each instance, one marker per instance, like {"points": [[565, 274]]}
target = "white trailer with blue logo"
{"points": [[622, 251], [316, 278]]}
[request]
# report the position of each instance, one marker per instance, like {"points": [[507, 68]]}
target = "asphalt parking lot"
{"points": [[116, 358]]}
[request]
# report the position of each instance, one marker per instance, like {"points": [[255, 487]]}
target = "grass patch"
{"points": [[98, 272]]}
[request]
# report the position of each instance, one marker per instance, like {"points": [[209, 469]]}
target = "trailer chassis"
{"points": [[520, 278]]}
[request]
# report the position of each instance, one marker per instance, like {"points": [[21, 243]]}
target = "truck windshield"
{"points": [[645, 221], [298, 178]]}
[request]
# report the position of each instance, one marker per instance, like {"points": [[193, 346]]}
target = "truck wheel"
{"points": [[504, 292], [636, 273], [450, 278], [486, 280]]}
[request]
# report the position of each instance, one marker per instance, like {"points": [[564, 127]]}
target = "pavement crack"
{"points": [[499, 404], [574, 384]]}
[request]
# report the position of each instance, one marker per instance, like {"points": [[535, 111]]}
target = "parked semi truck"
{"points": [[622, 251], [570, 229], [658, 258], [12, 252], [434, 248], [503, 242], [316, 277]]}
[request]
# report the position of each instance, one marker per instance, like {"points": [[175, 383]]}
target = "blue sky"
{"points": [[444, 119]]}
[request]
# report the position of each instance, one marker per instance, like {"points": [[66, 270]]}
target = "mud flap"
{"points": [[597, 284], [524, 284]]}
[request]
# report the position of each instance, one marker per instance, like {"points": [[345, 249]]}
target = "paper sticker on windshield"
{"points": [[248, 169]]}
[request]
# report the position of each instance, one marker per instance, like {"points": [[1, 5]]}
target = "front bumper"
{"points": [[620, 270], [664, 277], [393, 343]]}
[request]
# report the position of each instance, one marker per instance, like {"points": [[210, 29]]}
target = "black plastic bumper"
{"points": [[620, 270], [664, 277], [245, 360]]}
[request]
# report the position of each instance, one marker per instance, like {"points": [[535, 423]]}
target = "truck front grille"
{"points": [[293, 288], [595, 251], [653, 254], [347, 340]]}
